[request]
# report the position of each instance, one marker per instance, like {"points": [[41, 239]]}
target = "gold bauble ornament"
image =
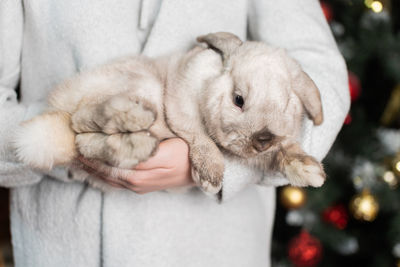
{"points": [[396, 165], [364, 206], [293, 197], [390, 179]]}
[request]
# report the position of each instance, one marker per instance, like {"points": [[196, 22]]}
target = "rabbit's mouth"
{"points": [[247, 147], [239, 145]]}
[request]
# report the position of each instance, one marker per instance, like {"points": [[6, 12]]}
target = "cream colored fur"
{"points": [[119, 112]]}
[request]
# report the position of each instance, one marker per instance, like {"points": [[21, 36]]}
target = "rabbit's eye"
{"points": [[238, 100]]}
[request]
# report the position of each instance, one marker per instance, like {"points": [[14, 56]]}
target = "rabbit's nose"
{"points": [[262, 140]]}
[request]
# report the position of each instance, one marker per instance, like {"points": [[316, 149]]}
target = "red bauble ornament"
{"points": [[354, 86], [337, 216], [327, 9], [348, 119], [305, 250]]}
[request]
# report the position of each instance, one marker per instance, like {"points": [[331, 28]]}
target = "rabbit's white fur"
{"points": [[119, 112]]}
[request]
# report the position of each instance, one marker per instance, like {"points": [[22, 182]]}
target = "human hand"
{"points": [[168, 168]]}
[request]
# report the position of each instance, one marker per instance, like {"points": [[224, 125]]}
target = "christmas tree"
{"points": [[354, 219]]}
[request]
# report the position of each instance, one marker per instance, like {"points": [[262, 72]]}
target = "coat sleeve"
{"points": [[12, 113], [299, 27]]}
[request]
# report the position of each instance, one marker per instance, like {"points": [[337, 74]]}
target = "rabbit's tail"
{"points": [[46, 140]]}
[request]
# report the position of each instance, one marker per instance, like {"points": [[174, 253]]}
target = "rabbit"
{"points": [[226, 97]]}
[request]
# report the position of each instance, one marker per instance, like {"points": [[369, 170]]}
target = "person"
{"points": [[57, 221]]}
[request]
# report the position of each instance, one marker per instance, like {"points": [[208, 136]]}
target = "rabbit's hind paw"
{"points": [[118, 114], [123, 150]]}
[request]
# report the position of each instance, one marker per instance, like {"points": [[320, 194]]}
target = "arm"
{"points": [[11, 112], [11, 20], [300, 28]]}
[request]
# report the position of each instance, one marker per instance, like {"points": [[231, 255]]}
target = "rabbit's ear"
{"points": [[223, 43], [305, 88]]}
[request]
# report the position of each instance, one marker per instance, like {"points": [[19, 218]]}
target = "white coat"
{"points": [[59, 222]]}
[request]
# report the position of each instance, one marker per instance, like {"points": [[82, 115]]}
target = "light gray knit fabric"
{"points": [[59, 222]]}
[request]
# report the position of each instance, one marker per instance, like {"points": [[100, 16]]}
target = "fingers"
{"points": [[159, 179], [111, 175], [149, 178], [115, 185], [157, 161], [139, 181], [167, 151], [168, 168], [98, 176], [103, 169]]}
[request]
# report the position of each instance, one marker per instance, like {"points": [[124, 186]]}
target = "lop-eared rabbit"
{"points": [[243, 99]]}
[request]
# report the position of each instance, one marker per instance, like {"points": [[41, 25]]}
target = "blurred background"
{"points": [[354, 219]]}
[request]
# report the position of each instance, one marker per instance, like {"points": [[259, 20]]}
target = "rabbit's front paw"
{"points": [[123, 150], [304, 170], [210, 179], [118, 114], [207, 168]]}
